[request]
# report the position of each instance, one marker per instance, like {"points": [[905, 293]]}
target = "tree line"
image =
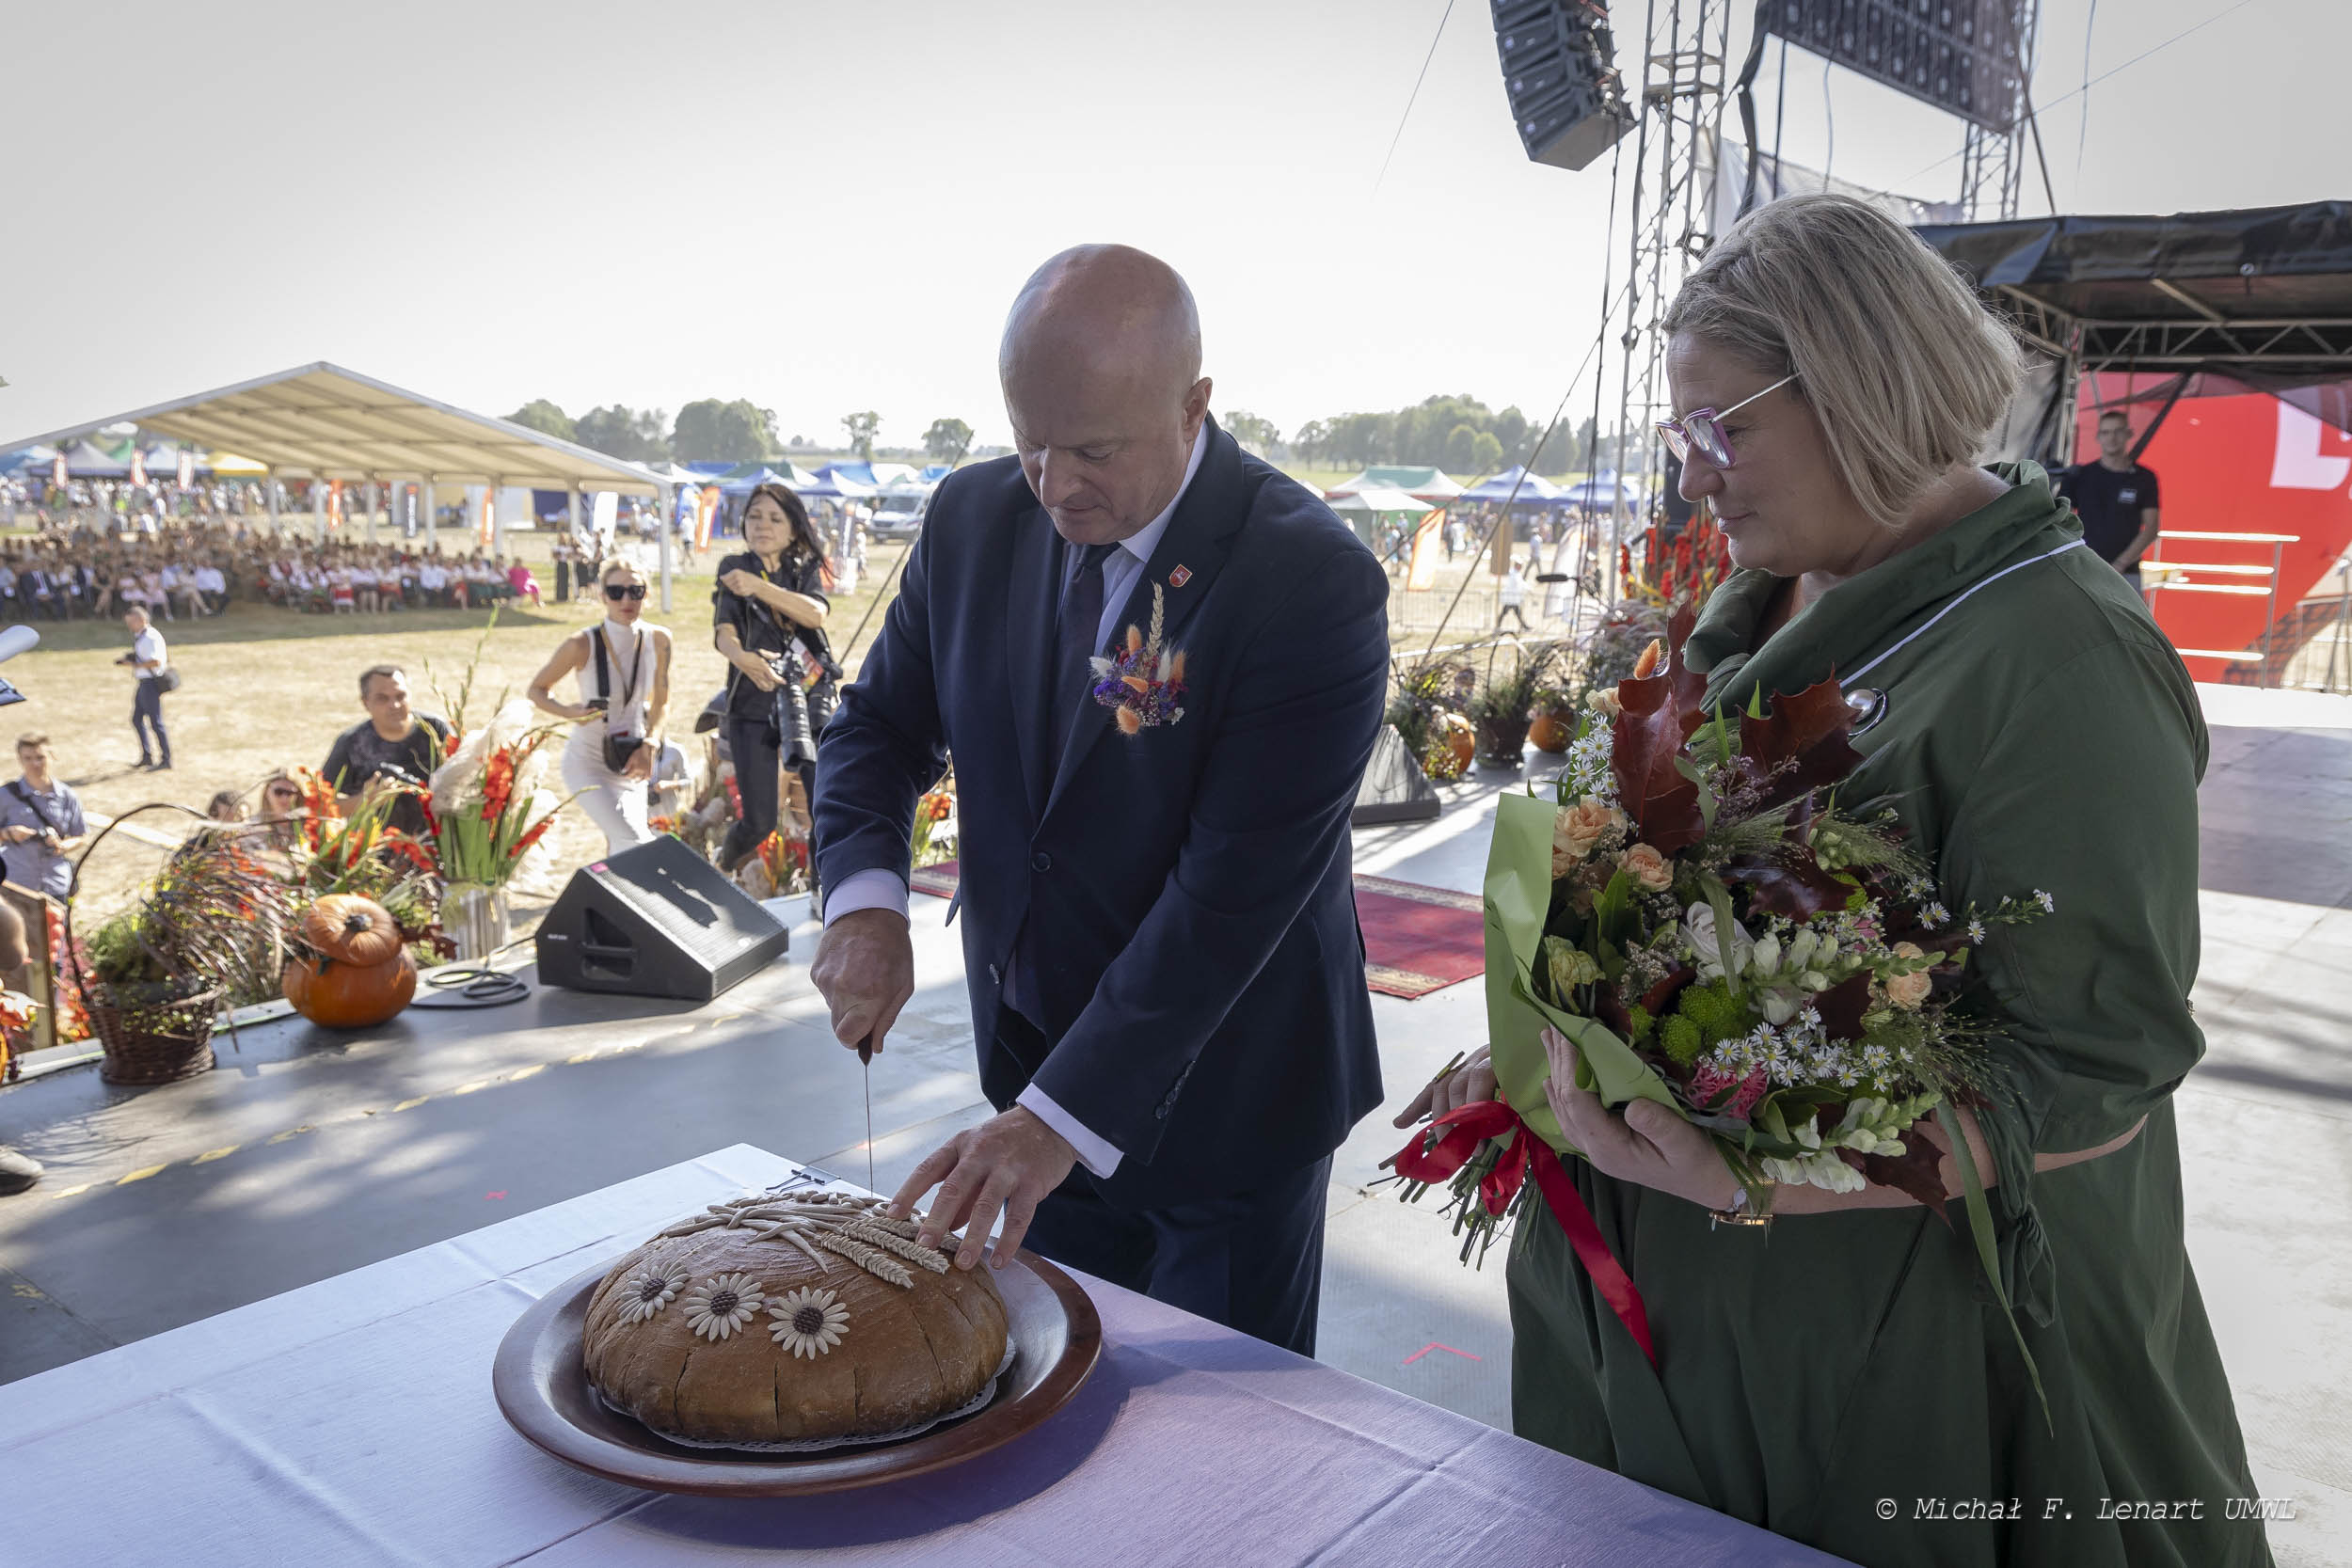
{"points": [[1459, 434], [711, 430]]}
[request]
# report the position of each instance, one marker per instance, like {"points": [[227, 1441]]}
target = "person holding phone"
{"points": [[623, 670]]}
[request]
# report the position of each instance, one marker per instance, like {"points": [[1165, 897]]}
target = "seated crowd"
{"points": [[188, 569]]}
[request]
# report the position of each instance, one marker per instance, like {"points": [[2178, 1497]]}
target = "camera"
{"points": [[600, 704]]}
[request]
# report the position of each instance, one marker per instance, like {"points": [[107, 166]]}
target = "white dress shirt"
{"points": [[879, 888]]}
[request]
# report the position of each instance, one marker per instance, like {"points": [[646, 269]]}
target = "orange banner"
{"points": [[1428, 549]]}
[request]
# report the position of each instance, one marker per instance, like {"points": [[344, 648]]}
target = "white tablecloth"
{"points": [[351, 1424]]}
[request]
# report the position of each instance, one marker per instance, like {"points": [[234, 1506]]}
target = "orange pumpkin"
{"points": [[342, 995], [1548, 731], [350, 929]]}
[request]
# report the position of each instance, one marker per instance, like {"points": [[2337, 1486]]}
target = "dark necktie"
{"points": [[1076, 633]]}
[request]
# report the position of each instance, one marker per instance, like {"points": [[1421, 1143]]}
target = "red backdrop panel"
{"points": [[2237, 465]]}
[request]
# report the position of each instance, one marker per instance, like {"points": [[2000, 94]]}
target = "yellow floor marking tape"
{"points": [[212, 1154], [140, 1175]]}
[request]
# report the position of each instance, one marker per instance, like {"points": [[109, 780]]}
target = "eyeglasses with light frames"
{"points": [[1701, 430]]}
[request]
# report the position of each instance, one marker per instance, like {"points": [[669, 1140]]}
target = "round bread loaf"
{"points": [[788, 1319]]}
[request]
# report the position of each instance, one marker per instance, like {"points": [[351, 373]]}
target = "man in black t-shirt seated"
{"points": [[393, 745], [2114, 498]]}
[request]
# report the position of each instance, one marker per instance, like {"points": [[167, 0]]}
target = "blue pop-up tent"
{"points": [[1530, 489], [1604, 489]]}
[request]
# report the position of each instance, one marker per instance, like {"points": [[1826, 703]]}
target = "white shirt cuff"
{"points": [[1099, 1158], [871, 888]]}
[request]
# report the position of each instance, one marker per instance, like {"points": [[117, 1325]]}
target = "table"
{"points": [[350, 1424]]}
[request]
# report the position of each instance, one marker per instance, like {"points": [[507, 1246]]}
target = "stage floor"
{"points": [[308, 1155]]}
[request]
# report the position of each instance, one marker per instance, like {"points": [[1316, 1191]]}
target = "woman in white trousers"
{"points": [[624, 669]]}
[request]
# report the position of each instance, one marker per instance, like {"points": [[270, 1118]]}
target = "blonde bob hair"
{"points": [[1907, 373]]}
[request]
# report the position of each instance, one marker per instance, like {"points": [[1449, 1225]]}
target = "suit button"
{"points": [[1040, 862], [1161, 1112]]}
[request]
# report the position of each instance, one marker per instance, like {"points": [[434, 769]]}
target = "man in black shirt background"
{"points": [[392, 744], [2114, 498]]}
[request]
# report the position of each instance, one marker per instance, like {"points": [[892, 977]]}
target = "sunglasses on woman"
{"points": [[1701, 430], [625, 591]]}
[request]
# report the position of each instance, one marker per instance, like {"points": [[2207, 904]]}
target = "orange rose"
{"points": [[1647, 867], [1577, 829], [1908, 991]]}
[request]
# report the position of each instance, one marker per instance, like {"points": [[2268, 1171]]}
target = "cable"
{"points": [[1829, 113], [2081, 122], [473, 987], [1780, 112], [1413, 98]]}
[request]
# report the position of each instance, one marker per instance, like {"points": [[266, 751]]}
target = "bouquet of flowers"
{"points": [[485, 809], [1699, 916], [934, 833]]}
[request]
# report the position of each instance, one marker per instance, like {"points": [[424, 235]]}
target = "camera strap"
{"points": [[16, 787], [604, 675]]}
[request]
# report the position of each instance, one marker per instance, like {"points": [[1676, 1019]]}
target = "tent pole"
{"points": [[318, 509], [432, 514], [661, 497], [269, 495], [374, 493], [498, 519]]}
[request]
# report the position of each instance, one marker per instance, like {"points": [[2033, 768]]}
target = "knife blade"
{"points": [[866, 1064]]}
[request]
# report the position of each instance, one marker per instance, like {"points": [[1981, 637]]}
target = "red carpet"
{"points": [[1417, 939]]}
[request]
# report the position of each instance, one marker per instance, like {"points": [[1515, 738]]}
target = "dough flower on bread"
{"points": [[809, 1321], [648, 1291], [722, 1304]]}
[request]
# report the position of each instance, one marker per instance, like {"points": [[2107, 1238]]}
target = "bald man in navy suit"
{"points": [[1159, 925]]}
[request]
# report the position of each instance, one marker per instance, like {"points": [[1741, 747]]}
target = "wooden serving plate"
{"points": [[543, 1391]]}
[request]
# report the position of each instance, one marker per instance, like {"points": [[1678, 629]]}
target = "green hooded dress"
{"points": [[1846, 1379]]}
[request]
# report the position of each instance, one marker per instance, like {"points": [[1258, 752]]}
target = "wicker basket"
{"points": [[156, 1042]]}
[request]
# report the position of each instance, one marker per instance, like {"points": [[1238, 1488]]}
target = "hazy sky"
{"points": [[826, 207]]}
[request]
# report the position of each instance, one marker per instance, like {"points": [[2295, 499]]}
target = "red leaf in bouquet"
{"points": [[1842, 1005], [1658, 997], [1800, 744], [1917, 1171], [1792, 884], [1656, 716]]}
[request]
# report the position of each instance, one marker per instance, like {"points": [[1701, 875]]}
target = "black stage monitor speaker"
{"points": [[658, 919], [1394, 787], [1560, 67]]}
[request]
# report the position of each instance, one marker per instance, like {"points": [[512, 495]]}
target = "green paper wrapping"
{"points": [[1518, 895]]}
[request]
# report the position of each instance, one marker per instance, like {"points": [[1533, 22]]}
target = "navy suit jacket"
{"points": [[1189, 886]]}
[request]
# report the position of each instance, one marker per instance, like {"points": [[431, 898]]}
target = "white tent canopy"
{"points": [[322, 421]]}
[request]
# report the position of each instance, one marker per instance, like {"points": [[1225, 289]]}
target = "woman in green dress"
{"points": [[1843, 1376]]}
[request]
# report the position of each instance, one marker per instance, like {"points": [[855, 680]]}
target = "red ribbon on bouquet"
{"points": [[1470, 1125]]}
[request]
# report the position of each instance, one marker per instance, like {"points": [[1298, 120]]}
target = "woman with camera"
{"points": [[769, 621], [623, 670]]}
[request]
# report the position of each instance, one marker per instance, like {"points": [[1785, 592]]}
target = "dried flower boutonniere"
{"points": [[1142, 682]]}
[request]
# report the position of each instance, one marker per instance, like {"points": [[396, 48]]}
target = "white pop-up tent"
{"points": [[321, 421]]}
